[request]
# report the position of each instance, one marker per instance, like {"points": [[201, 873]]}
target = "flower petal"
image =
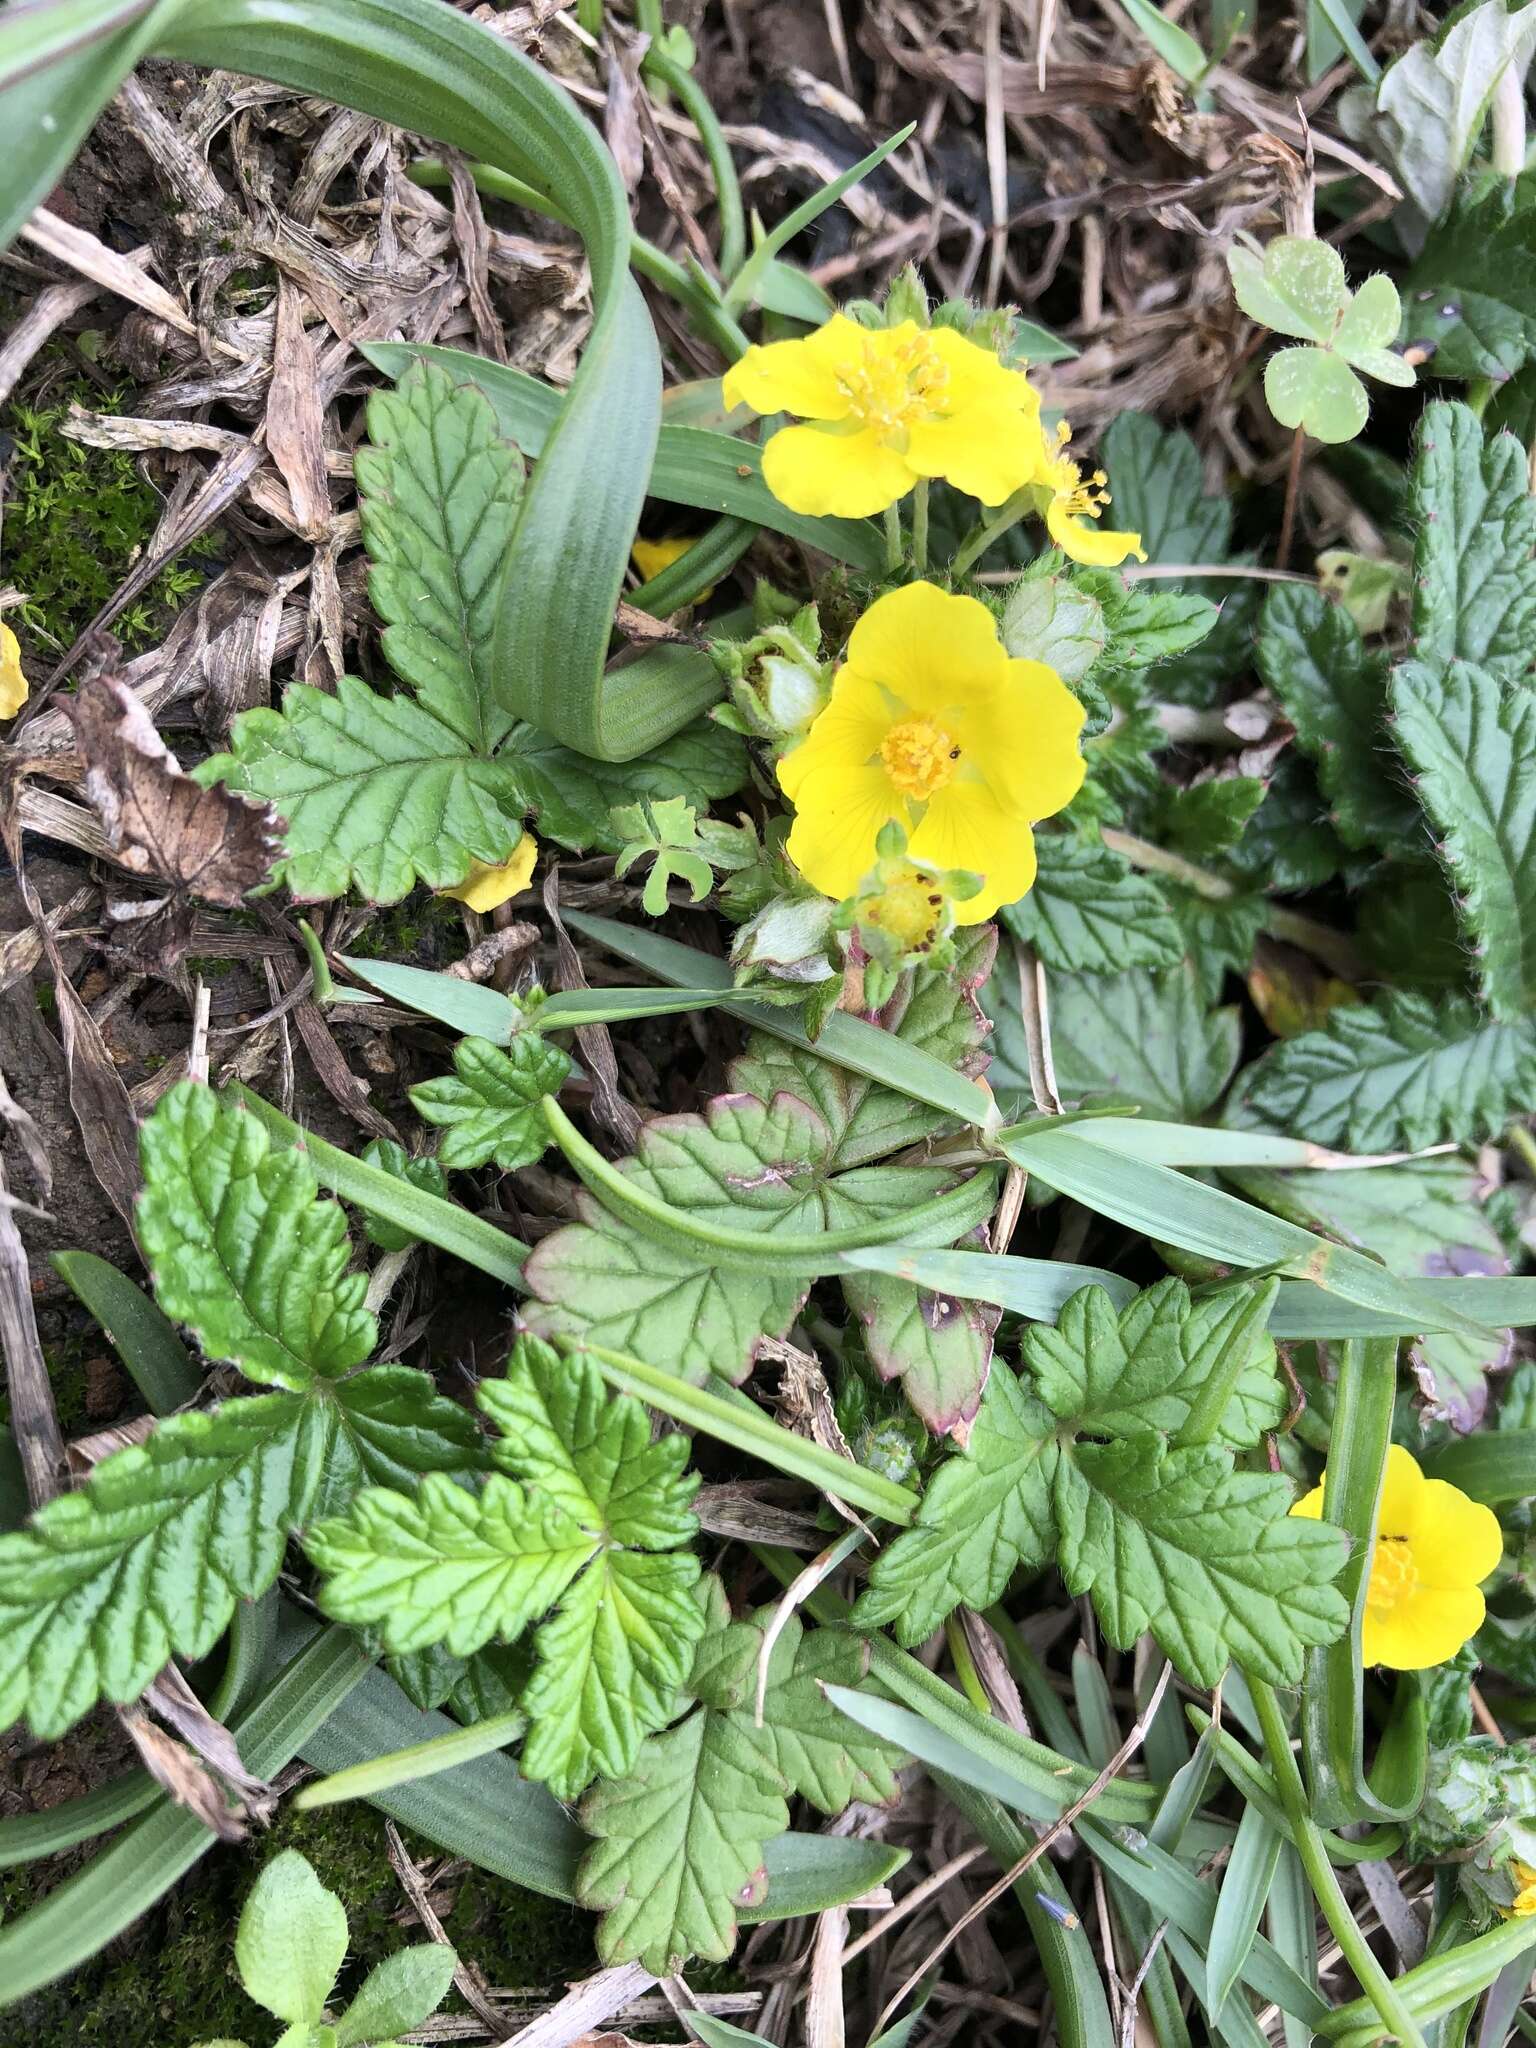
{"points": [[967, 827], [1457, 1542], [978, 377], [987, 450], [1090, 544], [1034, 759], [1424, 1629], [844, 737], [931, 650], [1310, 1505], [837, 822], [796, 376], [1402, 1488], [835, 470], [486, 888]]}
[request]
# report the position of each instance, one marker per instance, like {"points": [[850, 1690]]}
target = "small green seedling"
{"points": [[1297, 286], [292, 1941]]}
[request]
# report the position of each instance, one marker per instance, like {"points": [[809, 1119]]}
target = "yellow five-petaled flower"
{"points": [[1434, 1548], [931, 725], [886, 406]]}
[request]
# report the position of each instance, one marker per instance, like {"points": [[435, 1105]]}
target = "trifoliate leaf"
{"points": [[378, 793], [743, 1164], [1469, 301], [147, 1560], [665, 832], [490, 1106], [572, 796], [1422, 1219], [1472, 738], [1474, 520], [1297, 287], [1316, 391], [1294, 286], [680, 1842], [591, 1494], [1398, 1076], [426, 1174], [1141, 1038], [934, 1010], [937, 1345], [292, 1940], [1431, 104], [1141, 1370], [438, 494], [1091, 912], [241, 1247], [1334, 691], [985, 1513], [1207, 1560]]}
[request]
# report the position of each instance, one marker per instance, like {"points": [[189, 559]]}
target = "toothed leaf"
{"points": [[490, 1105], [1090, 912], [1474, 520]]}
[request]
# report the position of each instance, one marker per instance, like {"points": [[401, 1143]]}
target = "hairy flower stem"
{"points": [[1373, 1980], [920, 527], [892, 538], [984, 532], [1320, 940]]}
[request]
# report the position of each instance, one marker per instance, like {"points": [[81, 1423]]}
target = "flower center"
{"points": [[907, 910], [1083, 500], [1394, 1575], [889, 388], [919, 757]]}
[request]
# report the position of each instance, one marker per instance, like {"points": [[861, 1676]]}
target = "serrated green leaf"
{"points": [[1141, 1038], [1207, 1560], [1289, 844], [1049, 619], [489, 1107], [1472, 738], [938, 1345], [241, 1247], [458, 1569], [1148, 623], [572, 796], [679, 1845], [1474, 521], [398, 1994], [1334, 691], [985, 1513], [392, 1427], [1469, 301], [680, 1842], [1209, 817], [1091, 912], [744, 1164], [148, 1559], [292, 1940], [377, 792], [1160, 492], [438, 495], [1398, 1076], [1318, 392], [426, 1174], [1220, 934], [1141, 1370]]}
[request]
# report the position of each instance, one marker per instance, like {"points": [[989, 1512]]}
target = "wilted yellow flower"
{"points": [[1072, 501], [1434, 1548], [487, 888], [884, 407], [13, 684], [931, 726], [650, 557]]}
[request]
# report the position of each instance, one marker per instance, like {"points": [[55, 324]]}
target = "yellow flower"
{"points": [[487, 888], [1072, 501], [1523, 1878], [931, 726], [886, 406], [650, 557], [13, 684], [1434, 1548]]}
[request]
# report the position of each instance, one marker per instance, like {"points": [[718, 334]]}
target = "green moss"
{"points": [[423, 931], [75, 522], [171, 1981]]}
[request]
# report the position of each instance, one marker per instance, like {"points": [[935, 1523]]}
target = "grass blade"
{"points": [[144, 1338], [419, 1760], [1245, 1887]]}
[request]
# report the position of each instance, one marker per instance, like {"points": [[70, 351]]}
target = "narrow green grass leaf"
{"points": [[1245, 1887], [145, 1339], [419, 1760]]}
